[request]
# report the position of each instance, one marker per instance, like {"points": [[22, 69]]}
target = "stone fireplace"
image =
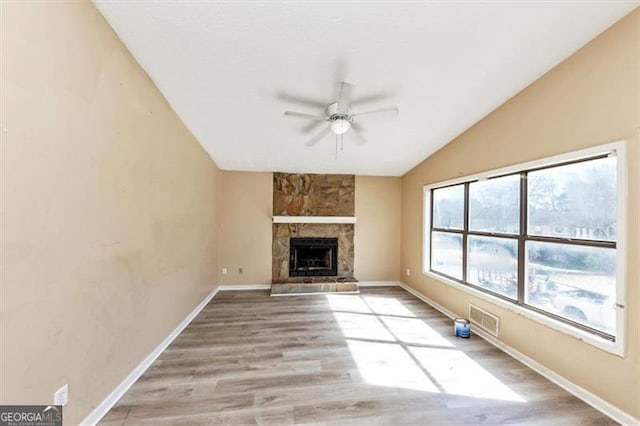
{"points": [[313, 233]]}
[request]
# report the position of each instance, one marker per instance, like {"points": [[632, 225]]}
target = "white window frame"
{"points": [[618, 149]]}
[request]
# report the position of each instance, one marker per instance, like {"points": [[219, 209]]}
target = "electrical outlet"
{"points": [[408, 271], [240, 270], [224, 271], [61, 397]]}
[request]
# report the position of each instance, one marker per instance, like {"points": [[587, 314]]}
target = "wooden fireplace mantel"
{"points": [[314, 219]]}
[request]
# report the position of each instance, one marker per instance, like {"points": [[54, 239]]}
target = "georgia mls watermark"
{"points": [[30, 415]]}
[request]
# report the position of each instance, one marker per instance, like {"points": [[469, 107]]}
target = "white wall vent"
{"points": [[485, 320]]}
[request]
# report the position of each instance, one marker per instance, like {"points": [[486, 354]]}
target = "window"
{"points": [[542, 237]]}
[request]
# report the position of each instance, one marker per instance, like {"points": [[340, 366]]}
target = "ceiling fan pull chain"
{"points": [[336, 147], [341, 142]]}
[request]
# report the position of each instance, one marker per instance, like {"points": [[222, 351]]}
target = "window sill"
{"points": [[615, 348]]}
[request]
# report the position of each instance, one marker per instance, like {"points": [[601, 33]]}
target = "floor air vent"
{"points": [[485, 320]]}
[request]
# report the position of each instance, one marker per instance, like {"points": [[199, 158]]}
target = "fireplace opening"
{"points": [[313, 257]]}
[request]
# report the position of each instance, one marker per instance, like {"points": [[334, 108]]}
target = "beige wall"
{"points": [[109, 209], [245, 233], [246, 228], [589, 99], [377, 238]]}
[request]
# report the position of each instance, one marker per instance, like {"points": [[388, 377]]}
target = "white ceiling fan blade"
{"points": [[376, 97], [313, 103], [305, 115], [314, 140], [357, 137], [344, 91], [377, 111], [311, 126]]}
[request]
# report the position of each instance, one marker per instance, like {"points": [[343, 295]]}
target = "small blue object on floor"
{"points": [[462, 328]]}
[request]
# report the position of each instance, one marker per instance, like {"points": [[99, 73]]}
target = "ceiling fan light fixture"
{"points": [[340, 126]]}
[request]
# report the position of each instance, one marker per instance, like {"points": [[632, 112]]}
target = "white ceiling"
{"points": [[227, 67]]}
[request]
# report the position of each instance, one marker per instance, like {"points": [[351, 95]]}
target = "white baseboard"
{"points": [[231, 287], [379, 283], [593, 400], [98, 413], [430, 302]]}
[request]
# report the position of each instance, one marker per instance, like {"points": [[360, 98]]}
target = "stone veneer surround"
{"points": [[313, 195], [282, 232]]}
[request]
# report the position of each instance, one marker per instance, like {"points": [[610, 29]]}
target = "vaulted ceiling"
{"points": [[230, 69]]}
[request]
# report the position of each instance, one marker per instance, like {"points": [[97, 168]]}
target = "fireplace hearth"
{"points": [[313, 257]]}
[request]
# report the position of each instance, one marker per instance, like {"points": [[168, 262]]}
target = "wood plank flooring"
{"points": [[374, 358]]}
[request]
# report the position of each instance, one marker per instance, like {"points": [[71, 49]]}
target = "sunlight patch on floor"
{"points": [[347, 303], [391, 347], [387, 306], [458, 374], [362, 326], [415, 331], [387, 364]]}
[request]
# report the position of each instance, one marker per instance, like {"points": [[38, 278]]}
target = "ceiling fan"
{"points": [[339, 117]]}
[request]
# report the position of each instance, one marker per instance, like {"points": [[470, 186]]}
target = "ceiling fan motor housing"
{"points": [[335, 109], [338, 119]]}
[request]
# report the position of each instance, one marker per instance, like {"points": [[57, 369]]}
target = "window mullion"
{"points": [[522, 237], [431, 208], [573, 241], [465, 233]]}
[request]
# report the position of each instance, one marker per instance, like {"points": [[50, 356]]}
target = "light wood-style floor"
{"points": [[378, 357]]}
